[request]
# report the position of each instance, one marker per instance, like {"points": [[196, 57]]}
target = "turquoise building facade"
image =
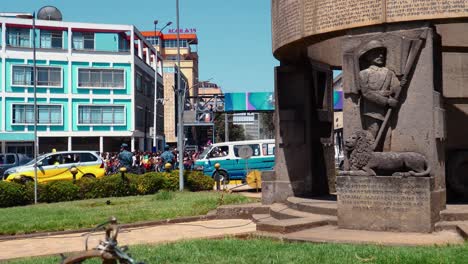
{"points": [[95, 87]]}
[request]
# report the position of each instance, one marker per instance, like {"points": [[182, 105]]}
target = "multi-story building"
{"points": [[95, 86], [166, 44]]}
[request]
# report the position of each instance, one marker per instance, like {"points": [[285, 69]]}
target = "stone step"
{"points": [[244, 211], [282, 211], [261, 217], [315, 206], [455, 212], [460, 226], [290, 225]]}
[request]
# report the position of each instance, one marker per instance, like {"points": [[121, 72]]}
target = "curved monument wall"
{"points": [[293, 20]]}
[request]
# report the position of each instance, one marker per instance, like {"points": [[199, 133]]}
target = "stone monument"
{"points": [[403, 65]]}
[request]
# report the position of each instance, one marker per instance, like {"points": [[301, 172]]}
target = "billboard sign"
{"points": [[241, 102], [338, 100]]}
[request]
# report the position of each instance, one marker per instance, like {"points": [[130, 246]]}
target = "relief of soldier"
{"points": [[379, 86]]}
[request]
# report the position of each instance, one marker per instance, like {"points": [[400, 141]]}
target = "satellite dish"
{"points": [[49, 13], [254, 179]]}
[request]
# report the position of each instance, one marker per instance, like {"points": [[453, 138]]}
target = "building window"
{"points": [[101, 78], [153, 40], [101, 115], [83, 41], [51, 39], [173, 57], [171, 43], [149, 87], [46, 76], [139, 83], [19, 37], [23, 114]]}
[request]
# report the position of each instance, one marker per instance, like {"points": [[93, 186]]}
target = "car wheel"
{"points": [[223, 177], [88, 176], [26, 179]]}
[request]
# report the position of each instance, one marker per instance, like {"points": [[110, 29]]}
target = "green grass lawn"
{"points": [[89, 213], [260, 251]]}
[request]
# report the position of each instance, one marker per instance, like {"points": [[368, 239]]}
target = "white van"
{"points": [[233, 166]]}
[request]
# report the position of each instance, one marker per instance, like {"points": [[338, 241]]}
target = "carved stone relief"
{"points": [[381, 73]]}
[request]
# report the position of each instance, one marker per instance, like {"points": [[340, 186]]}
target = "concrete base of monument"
{"points": [[333, 234], [381, 203], [315, 220]]}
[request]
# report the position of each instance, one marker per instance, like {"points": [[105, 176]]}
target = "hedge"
{"points": [[196, 181], [15, 193]]}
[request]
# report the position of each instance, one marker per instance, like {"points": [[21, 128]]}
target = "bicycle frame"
{"points": [[107, 250]]}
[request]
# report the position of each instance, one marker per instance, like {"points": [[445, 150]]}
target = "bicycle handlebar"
{"points": [[108, 250]]}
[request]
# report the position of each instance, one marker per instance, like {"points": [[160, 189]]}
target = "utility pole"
{"points": [[36, 145], [180, 106], [157, 99], [226, 127], [155, 108], [146, 128]]}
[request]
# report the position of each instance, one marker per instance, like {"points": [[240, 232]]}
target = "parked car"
{"points": [[56, 166], [10, 160]]}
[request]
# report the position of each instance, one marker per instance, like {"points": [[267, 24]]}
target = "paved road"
{"points": [[50, 245]]}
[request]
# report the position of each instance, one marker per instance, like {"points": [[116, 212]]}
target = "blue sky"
{"points": [[234, 36]]}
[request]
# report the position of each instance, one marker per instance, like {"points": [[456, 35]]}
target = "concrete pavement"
{"points": [[51, 245]]}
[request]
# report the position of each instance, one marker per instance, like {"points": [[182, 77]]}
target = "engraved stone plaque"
{"points": [[295, 19], [386, 203]]}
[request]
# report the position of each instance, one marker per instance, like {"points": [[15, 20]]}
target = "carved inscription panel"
{"points": [[325, 15], [295, 19], [404, 10], [385, 203], [288, 23], [362, 194]]}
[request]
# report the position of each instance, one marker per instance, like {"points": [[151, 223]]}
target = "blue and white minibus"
{"points": [[233, 166]]}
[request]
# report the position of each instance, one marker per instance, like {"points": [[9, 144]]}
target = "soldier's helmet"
{"points": [[371, 45]]}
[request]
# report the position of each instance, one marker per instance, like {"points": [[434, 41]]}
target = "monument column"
{"points": [[304, 118]]}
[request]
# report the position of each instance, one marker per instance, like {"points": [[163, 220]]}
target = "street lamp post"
{"points": [[145, 140], [180, 134], [36, 145], [156, 75]]}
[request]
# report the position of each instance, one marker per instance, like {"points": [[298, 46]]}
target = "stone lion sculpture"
{"points": [[363, 161]]}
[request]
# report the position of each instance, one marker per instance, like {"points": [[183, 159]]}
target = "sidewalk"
{"points": [[51, 245]]}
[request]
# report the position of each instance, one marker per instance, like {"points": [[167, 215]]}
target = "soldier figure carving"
{"points": [[379, 86]]}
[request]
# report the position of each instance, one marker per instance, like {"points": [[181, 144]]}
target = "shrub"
{"points": [[12, 194], [110, 186], [148, 183], [29, 191], [87, 185], [59, 191], [172, 180], [197, 181]]}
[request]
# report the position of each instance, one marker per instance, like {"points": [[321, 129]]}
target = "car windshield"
{"points": [[31, 162], [203, 154]]}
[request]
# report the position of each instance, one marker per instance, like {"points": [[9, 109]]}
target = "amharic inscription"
{"points": [[323, 15], [295, 19]]}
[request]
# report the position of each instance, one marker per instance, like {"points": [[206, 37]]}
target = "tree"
{"points": [[267, 124], [236, 132]]}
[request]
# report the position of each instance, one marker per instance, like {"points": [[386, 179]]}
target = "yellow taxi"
{"points": [[57, 166]]}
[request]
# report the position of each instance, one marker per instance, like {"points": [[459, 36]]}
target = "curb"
{"points": [[209, 216]]}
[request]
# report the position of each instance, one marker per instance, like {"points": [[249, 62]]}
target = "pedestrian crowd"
{"points": [[142, 162]]}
